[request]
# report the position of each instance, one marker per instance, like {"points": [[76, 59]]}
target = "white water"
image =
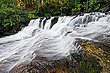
{"points": [[39, 39]]}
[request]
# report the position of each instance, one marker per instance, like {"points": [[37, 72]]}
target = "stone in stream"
{"points": [[42, 65], [93, 58]]}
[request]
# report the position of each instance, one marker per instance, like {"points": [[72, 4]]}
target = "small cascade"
{"points": [[53, 38]]}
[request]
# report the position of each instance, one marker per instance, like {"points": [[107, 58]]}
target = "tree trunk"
{"points": [[87, 6]]}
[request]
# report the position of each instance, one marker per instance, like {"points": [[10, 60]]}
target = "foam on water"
{"points": [[38, 39]]}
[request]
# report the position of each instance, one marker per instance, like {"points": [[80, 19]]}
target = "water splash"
{"points": [[53, 41]]}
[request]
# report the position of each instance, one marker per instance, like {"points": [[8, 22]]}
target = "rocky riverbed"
{"points": [[94, 57]]}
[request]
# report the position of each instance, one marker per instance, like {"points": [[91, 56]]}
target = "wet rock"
{"points": [[91, 59], [102, 56], [42, 65], [84, 63], [107, 13], [104, 38], [80, 13]]}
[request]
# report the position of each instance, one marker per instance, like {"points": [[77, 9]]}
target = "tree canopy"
{"points": [[15, 14]]}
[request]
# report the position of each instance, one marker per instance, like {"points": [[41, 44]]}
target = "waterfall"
{"points": [[53, 38]]}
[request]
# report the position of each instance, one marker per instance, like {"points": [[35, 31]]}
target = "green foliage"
{"points": [[12, 17], [8, 22], [70, 7], [76, 9], [31, 16]]}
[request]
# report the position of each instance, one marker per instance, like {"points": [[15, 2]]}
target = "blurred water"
{"points": [[53, 41]]}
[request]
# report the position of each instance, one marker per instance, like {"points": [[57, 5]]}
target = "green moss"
{"points": [[99, 51], [83, 63]]}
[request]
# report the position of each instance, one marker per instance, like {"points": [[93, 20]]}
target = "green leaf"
{"points": [[6, 24]]}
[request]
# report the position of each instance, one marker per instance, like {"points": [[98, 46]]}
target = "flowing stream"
{"points": [[53, 38]]}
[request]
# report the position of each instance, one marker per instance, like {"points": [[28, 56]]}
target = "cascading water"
{"points": [[52, 38]]}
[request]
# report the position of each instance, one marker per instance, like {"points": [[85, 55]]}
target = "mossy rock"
{"points": [[83, 63], [95, 57]]}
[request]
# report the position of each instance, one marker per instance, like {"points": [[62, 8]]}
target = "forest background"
{"points": [[15, 14]]}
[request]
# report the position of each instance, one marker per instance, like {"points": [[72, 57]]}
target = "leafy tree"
{"points": [[12, 17]]}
